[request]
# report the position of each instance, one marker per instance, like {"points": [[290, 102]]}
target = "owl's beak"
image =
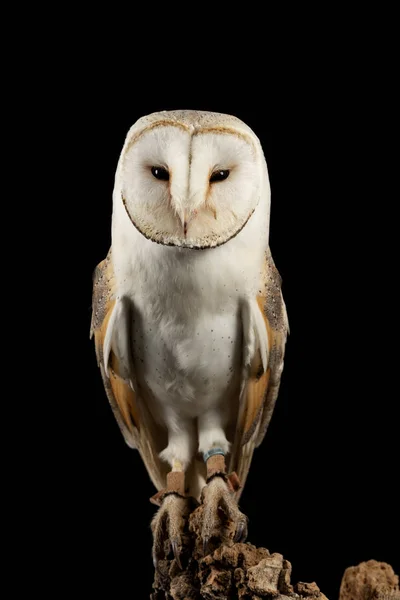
{"points": [[186, 218]]}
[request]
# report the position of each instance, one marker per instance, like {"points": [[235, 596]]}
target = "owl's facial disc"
{"points": [[192, 189]]}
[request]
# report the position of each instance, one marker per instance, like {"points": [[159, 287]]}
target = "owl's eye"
{"points": [[160, 173], [219, 175]]}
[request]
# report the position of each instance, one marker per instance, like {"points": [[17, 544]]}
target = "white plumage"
{"points": [[189, 263]]}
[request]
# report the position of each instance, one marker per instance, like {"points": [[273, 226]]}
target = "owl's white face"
{"points": [[187, 186]]}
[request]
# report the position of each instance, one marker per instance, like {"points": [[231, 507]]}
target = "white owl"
{"points": [[188, 317]]}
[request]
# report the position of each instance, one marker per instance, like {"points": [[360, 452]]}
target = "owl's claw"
{"points": [[167, 527], [176, 548], [241, 531], [217, 498], [206, 546], [175, 545], [155, 559]]}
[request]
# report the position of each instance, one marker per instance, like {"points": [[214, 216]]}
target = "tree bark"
{"points": [[370, 580], [228, 571], [240, 571]]}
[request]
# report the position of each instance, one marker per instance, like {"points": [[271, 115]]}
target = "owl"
{"points": [[188, 320]]}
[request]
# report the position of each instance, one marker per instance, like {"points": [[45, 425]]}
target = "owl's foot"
{"points": [[169, 523], [220, 504], [168, 527]]}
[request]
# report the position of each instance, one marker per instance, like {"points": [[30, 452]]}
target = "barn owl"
{"points": [[188, 319]]}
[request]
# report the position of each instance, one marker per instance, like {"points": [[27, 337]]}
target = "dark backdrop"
{"points": [[321, 487]]}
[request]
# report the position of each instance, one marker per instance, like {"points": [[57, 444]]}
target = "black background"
{"points": [[321, 487]]}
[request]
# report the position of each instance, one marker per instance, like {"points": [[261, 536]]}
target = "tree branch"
{"points": [[228, 571]]}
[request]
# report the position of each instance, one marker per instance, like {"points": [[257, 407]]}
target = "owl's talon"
{"points": [[155, 559], [167, 527], [218, 499], [176, 546], [241, 532], [206, 546]]}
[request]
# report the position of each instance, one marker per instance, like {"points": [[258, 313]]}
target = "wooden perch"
{"points": [[241, 571], [235, 571], [370, 580]]}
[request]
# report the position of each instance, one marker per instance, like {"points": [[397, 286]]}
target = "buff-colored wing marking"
{"points": [[114, 359], [120, 394], [265, 327]]}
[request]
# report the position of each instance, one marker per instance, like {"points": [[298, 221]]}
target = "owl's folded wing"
{"points": [[114, 359], [265, 329]]}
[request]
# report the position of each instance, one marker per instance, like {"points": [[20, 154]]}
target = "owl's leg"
{"points": [[169, 522], [218, 495], [219, 492]]}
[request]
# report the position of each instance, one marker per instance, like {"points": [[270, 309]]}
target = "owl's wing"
{"points": [[265, 329], [116, 366]]}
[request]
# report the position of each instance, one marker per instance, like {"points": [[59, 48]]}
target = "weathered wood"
{"points": [[230, 570], [370, 580]]}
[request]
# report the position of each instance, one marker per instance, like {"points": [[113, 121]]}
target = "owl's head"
{"points": [[190, 179]]}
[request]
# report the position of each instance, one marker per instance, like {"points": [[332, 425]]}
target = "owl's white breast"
{"points": [[187, 334]]}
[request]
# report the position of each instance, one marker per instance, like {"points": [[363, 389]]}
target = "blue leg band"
{"points": [[212, 452]]}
